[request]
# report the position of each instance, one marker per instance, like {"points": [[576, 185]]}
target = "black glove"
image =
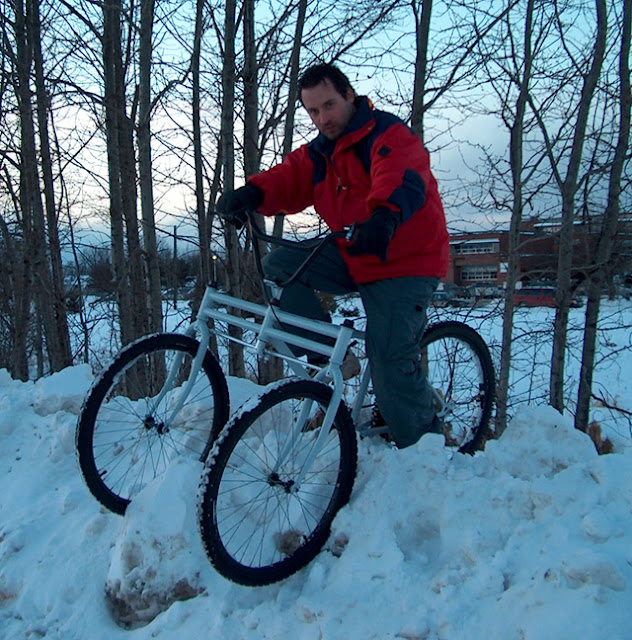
{"points": [[374, 235], [232, 205]]}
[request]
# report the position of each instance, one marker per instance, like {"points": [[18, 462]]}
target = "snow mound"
{"points": [[156, 557], [527, 539], [540, 441], [65, 391]]}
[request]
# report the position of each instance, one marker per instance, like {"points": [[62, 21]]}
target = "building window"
{"points": [[481, 273], [481, 246]]}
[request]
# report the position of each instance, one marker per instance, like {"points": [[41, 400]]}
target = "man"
{"points": [[365, 167]]}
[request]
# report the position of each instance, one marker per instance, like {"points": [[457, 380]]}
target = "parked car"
{"points": [[440, 298], [536, 296], [453, 295]]}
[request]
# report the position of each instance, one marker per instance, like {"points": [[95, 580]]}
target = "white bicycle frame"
{"points": [[263, 321], [274, 341]]}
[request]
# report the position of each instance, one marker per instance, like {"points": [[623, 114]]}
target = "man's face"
{"points": [[329, 111]]}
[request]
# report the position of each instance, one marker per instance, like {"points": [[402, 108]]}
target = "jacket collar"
{"points": [[359, 125]]}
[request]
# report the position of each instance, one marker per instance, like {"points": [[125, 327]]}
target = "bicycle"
{"points": [[166, 395], [286, 462]]}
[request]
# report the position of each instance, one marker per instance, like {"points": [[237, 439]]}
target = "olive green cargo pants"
{"points": [[396, 318]]}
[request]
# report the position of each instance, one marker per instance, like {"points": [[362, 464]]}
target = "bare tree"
{"points": [[154, 323], [603, 252], [120, 170], [127, 253], [16, 300], [236, 357], [59, 342], [290, 115], [566, 173], [19, 264], [521, 77], [204, 230], [38, 274]]}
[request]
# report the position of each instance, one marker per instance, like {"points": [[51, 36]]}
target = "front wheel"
{"points": [[460, 369], [257, 525], [127, 433]]}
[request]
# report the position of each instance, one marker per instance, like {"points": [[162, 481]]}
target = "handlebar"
{"points": [[256, 232]]}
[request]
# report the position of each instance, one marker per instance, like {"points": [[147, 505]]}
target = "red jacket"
{"points": [[377, 162]]}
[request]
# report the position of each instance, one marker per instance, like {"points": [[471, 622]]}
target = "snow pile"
{"points": [[529, 539], [488, 546], [156, 557]]}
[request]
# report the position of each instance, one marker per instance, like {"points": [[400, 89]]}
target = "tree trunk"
{"points": [[36, 269], [203, 217], [154, 323], [288, 128], [422, 31], [127, 264], [233, 268], [266, 369], [204, 231], [251, 108], [516, 163], [24, 269], [568, 190], [112, 102], [136, 271], [18, 275], [58, 336], [603, 251], [251, 119]]}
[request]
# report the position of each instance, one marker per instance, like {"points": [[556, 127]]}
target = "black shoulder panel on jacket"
{"points": [[319, 163], [383, 121]]}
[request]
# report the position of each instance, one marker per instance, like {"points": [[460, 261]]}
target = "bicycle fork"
{"points": [[174, 370], [333, 371]]}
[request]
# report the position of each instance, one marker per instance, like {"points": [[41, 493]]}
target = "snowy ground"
{"points": [[529, 539]]}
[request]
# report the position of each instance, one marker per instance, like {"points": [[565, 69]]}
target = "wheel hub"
{"points": [[275, 481], [151, 423]]}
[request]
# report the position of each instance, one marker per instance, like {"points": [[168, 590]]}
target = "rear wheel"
{"points": [[460, 369], [258, 526], [127, 435]]}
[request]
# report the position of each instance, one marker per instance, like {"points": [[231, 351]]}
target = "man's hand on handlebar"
{"points": [[374, 235], [232, 205], [369, 237]]}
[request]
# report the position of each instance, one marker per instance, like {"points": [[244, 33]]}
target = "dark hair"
{"points": [[321, 72]]}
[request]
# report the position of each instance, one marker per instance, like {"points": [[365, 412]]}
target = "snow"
{"points": [[526, 540]]}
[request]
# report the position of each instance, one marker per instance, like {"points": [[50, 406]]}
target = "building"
{"points": [[481, 258]]}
